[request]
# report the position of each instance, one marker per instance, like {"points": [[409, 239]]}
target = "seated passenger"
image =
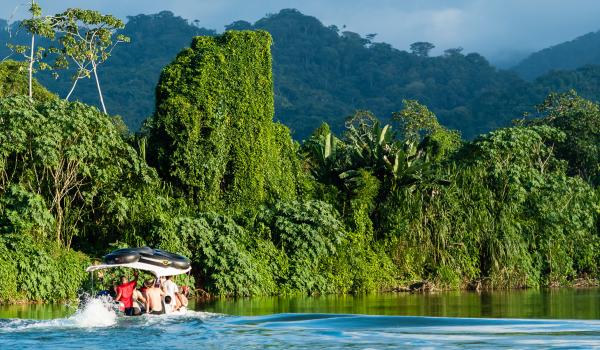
{"points": [[182, 296], [169, 304], [154, 295], [139, 303]]}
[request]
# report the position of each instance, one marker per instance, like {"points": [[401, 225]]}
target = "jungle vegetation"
{"points": [[382, 204]]}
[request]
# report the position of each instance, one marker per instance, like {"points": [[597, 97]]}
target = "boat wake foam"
{"points": [[100, 312], [92, 313]]}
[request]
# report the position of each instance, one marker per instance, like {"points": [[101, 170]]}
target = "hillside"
{"points": [[321, 74], [584, 50], [324, 74]]}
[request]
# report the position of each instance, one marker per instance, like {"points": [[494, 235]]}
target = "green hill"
{"points": [[324, 74], [584, 50]]}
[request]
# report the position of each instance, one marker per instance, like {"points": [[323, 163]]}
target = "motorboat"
{"points": [[156, 261]]}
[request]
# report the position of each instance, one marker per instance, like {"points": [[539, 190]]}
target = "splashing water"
{"points": [[96, 312], [92, 313]]}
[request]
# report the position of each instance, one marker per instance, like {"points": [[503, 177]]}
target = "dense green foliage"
{"points": [[67, 178], [66, 158], [39, 271], [383, 204], [213, 134]]}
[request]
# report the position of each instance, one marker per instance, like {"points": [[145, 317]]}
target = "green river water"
{"points": [[524, 319]]}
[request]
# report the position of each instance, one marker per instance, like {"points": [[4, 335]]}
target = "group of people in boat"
{"points": [[156, 296]]}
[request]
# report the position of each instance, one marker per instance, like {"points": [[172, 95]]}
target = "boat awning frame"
{"points": [[157, 271]]}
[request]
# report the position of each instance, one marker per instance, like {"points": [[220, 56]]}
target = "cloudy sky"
{"points": [[499, 29]]}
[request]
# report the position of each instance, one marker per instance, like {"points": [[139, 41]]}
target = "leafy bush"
{"points": [[308, 233], [72, 161], [219, 248], [42, 271], [24, 212], [8, 277]]}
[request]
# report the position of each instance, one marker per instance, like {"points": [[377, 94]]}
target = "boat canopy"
{"points": [[157, 271], [157, 261]]}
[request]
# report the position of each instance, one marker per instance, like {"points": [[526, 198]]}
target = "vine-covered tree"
{"points": [[213, 133]]}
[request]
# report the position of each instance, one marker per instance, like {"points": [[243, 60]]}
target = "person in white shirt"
{"points": [[170, 288]]}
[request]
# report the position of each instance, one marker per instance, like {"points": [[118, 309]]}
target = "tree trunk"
{"points": [[72, 89], [59, 216], [98, 86], [31, 66]]}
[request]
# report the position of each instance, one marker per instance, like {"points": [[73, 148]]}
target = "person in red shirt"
{"points": [[125, 293]]}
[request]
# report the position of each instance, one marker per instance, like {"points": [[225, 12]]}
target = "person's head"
{"points": [[149, 283], [169, 277], [168, 299], [123, 279]]}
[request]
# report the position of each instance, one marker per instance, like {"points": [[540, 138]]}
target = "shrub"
{"points": [[42, 271]]}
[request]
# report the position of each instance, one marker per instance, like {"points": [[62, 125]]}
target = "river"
{"points": [[562, 318]]}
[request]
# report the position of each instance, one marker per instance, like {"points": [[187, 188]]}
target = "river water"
{"points": [[566, 318]]}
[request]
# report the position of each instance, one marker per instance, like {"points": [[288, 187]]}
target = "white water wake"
{"points": [[100, 312], [92, 313], [96, 312]]}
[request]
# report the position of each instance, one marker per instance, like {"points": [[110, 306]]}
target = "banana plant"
{"points": [[401, 163], [323, 157]]}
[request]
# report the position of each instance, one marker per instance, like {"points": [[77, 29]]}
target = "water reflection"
{"points": [[36, 311], [554, 303], [549, 304]]}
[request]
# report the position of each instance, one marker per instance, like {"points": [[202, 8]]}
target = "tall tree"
{"points": [[421, 48], [579, 119], [36, 25], [87, 41]]}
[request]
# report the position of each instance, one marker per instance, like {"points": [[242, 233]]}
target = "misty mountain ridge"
{"points": [[324, 74], [581, 51]]}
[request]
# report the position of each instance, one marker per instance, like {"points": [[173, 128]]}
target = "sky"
{"points": [[501, 30]]}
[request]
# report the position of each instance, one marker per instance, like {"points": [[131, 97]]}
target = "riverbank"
{"points": [[478, 286], [417, 288]]}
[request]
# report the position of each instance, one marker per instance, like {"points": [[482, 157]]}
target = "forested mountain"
{"points": [[584, 50], [585, 80], [325, 74]]}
